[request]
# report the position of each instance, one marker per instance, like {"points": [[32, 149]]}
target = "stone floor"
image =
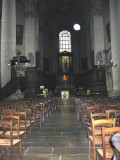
{"points": [[60, 138]]}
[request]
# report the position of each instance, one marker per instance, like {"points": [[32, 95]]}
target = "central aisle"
{"points": [[60, 138]]}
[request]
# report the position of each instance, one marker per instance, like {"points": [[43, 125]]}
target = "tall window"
{"points": [[64, 41]]}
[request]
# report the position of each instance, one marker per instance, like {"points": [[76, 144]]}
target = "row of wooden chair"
{"points": [[106, 152], [96, 116], [17, 119], [6, 136]]}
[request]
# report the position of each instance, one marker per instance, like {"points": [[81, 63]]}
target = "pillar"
{"points": [[115, 46], [8, 38], [31, 47], [30, 31], [97, 28]]}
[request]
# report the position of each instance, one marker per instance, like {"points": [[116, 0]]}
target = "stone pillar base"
{"points": [[114, 94]]}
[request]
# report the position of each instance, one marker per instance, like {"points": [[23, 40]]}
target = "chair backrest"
{"points": [[28, 113], [7, 125], [108, 132], [92, 112], [111, 112], [102, 106], [22, 116], [99, 124], [5, 112], [99, 116], [91, 108], [15, 120]]}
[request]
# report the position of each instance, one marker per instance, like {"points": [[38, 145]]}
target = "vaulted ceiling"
{"points": [[51, 10]]}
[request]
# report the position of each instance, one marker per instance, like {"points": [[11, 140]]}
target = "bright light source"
{"points": [[76, 27]]}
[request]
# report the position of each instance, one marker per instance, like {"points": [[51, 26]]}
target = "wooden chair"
{"points": [[88, 109], [17, 133], [106, 152], [95, 116], [23, 126], [7, 141], [84, 111], [95, 139], [36, 115], [29, 120]]}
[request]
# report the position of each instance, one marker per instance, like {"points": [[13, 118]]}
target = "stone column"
{"points": [[98, 31], [31, 47], [8, 38], [30, 31], [115, 45]]}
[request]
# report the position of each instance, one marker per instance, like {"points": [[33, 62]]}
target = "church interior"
{"points": [[59, 79]]}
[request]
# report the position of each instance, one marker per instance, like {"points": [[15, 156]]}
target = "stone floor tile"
{"points": [[61, 136]]}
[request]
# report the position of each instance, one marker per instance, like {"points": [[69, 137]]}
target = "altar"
{"points": [[64, 94], [70, 89], [65, 76]]}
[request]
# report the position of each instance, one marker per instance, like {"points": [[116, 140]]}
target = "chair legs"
{"points": [[25, 141], [89, 149], [94, 151], [20, 151], [11, 150]]}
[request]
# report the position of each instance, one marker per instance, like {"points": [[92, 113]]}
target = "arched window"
{"points": [[64, 41]]}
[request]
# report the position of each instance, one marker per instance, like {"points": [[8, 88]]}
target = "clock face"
{"points": [[77, 27]]}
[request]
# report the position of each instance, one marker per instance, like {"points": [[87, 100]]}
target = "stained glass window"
{"points": [[64, 41]]}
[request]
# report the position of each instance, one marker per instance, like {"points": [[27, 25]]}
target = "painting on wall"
{"points": [[19, 34], [108, 32]]}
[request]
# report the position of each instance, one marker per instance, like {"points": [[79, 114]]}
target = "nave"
{"points": [[61, 137], [60, 129]]}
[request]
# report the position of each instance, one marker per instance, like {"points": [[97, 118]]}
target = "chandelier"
{"points": [[20, 63], [107, 65]]}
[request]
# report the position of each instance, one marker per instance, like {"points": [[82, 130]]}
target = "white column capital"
{"points": [[31, 31], [31, 14], [30, 8], [97, 6]]}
